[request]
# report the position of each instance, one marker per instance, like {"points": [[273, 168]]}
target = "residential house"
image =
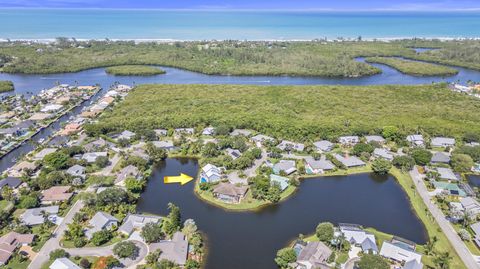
{"points": [[287, 166], [314, 255], [40, 116], [324, 145], [449, 188], [35, 216], [44, 152], [210, 173], [382, 153], [440, 157], [282, 182], [184, 131], [58, 141], [208, 131], [95, 145], [129, 171], [290, 146], [476, 231], [357, 236], [56, 194], [260, 139], [175, 250], [416, 140], [375, 138], [400, 251], [161, 132], [10, 242], [234, 153], [349, 161], [136, 222], [243, 132], [51, 108], [76, 171], [100, 221], [348, 140], [12, 182], [166, 145], [22, 167], [442, 142], [127, 135], [71, 128], [91, 157], [63, 263], [471, 206], [313, 166], [446, 174], [229, 193], [141, 153]]}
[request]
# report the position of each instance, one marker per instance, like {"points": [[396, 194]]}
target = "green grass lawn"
{"points": [[69, 244], [414, 68], [134, 70], [14, 264], [302, 113], [6, 86], [5, 205], [443, 245]]}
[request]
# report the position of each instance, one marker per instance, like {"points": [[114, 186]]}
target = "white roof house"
{"points": [[446, 174], [357, 236], [398, 252], [375, 138], [348, 140], [51, 108], [287, 166], [443, 142], [288, 145], [175, 250], [136, 221], [324, 145], [350, 161], [382, 153], [44, 152], [210, 173], [63, 263], [91, 157], [416, 140], [208, 131], [126, 135], [100, 221], [259, 139], [76, 171], [471, 205], [35, 216], [166, 145]]}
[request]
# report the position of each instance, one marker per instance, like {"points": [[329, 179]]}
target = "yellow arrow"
{"points": [[182, 179]]}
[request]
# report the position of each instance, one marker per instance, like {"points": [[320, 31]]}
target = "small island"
{"points": [[134, 70], [414, 68], [6, 86]]}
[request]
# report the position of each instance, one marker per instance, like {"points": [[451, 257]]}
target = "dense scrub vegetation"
{"points": [[134, 70], [414, 68], [6, 86], [319, 58], [297, 112]]}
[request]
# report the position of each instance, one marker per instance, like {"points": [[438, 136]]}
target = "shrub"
{"points": [[324, 231], [125, 249], [58, 253], [381, 166]]}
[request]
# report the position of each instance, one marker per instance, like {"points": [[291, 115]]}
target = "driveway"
{"points": [[444, 224]]}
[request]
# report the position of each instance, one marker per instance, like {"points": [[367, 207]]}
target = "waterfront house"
{"points": [[136, 222], [290, 146], [22, 167], [166, 145], [71, 128], [141, 153], [10, 242], [63, 263], [382, 153], [91, 157], [51, 108], [350, 140], [324, 145], [313, 255], [35, 216], [56, 194], [313, 166], [100, 221], [446, 174], [44, 152], [210, 173], [440, 157], [175, 250], [260, 139], [229, 193], [471, 206], [208, 131], [349, 161], [127, 135], [234, 153], [287, 166], [400, 250], [375, 138], [76, 171], [11, 182], [282, 182], [129, 171], [243, 132], [58, 141], [416, 140], [40, 116], [357, 236], [443, 142]]}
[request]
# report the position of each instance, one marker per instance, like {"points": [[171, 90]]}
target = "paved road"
{"points": [[54, 242], [107, 171], [444, 224]]}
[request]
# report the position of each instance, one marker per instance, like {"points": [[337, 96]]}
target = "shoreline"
{"points": [[169, 40]]}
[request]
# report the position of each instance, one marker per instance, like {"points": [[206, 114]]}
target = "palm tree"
{"points": [[442, 260]]}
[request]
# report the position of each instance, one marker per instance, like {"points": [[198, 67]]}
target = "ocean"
{"points": [[239, 25]]}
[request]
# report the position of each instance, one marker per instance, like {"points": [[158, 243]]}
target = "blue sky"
{"points": [[420, 5]]}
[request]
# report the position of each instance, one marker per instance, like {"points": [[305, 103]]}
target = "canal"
{"points": [[238, 240]]}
